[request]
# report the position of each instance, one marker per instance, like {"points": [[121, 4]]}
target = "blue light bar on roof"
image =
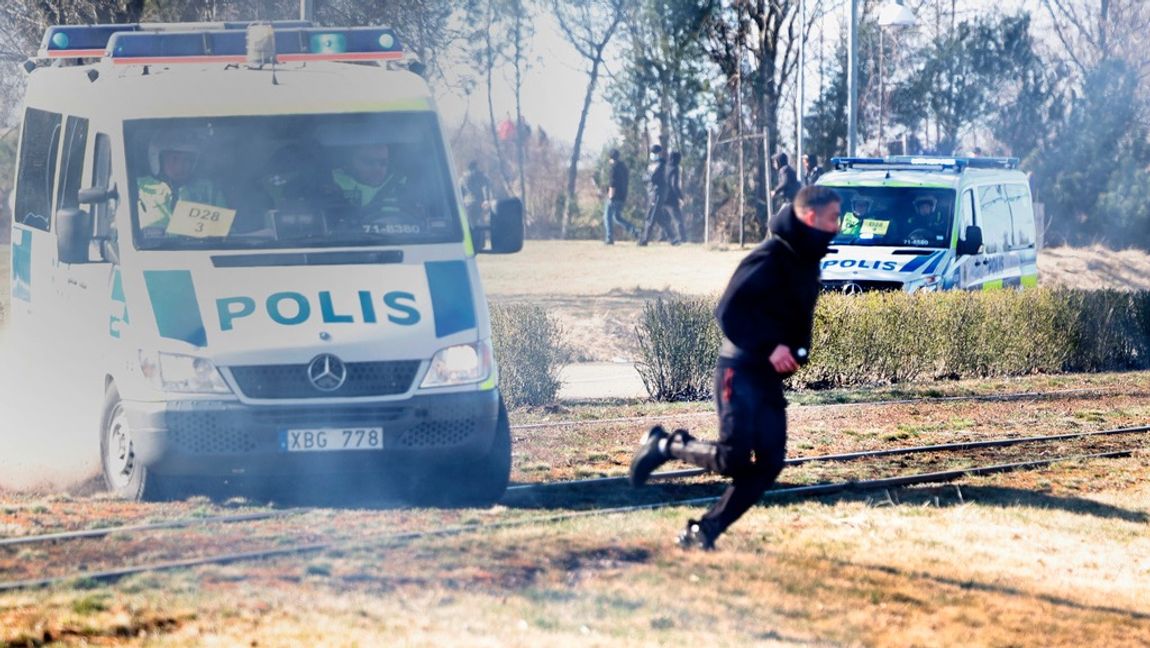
{"points": [[91, 41], [926, 162], [300, 44], [969, 162], [79, 41]]}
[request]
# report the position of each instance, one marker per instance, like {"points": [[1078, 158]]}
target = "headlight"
{"points": [[929, 283], [459, 365], [173, 372]]}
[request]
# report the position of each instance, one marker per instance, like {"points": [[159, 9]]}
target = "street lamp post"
{"points": [[852, 79], [892, 13]]}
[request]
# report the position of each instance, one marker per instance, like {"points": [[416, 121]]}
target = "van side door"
{"points": [[85, 163], [997, 261], [1025, 235], [970, 269]]}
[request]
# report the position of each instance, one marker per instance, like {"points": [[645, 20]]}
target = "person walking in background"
{"points": [[766, 316], [811, 169], [788, 181], [657, 199], [476, 190], [675, 194], [616, 198]]}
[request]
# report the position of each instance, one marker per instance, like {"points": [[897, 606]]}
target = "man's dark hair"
{"points": [[812, 159], [614, 154], [676, 156], [815, 196], [657, 149], [781, 159]]}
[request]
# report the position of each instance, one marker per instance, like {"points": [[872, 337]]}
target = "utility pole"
{"points": [[852, 80], [307, 10], [801, 95], [707, 193]]}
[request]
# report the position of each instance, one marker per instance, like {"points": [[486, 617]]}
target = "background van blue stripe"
{"points": [[934, 264], [917, 262], [174, 303], [451, 302]]}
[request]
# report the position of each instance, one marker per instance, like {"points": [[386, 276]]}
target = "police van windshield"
{"points": [[364, 179], [896, 216]]}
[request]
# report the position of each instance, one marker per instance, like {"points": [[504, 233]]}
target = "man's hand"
{"points": [[783, 361]]}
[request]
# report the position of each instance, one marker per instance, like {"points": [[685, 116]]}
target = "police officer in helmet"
{"points": [[173, 160]]}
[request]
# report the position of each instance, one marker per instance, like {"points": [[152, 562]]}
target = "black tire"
{"points": [[480, 483], [124, 475]]}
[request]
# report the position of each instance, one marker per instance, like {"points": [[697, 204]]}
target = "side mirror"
{"points": [[971, 243], [507, 226], [73, 235], [97, 195]]}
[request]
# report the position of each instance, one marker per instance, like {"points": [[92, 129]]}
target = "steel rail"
{"points": [[854, 456], [129, 528], [664, 475], [799, 491], [877, 403]]}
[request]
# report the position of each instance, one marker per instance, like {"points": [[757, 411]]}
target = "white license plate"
{"points": [[325, 439]]}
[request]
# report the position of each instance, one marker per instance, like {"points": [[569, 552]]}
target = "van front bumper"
{"points": [[225, 438]]}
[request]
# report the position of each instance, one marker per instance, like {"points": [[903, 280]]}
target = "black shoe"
{"points": [[648, 457], [695, 537]]}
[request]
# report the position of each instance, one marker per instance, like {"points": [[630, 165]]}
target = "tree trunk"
{"points": [[489, 63], [573, 168], [519, 139]]}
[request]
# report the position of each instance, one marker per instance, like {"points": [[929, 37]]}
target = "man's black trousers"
{"points": [[657, 214], [752, 441]]}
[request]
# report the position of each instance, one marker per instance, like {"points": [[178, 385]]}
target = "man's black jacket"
{"points": [[770, 299], [620, 178], [788, 185]]}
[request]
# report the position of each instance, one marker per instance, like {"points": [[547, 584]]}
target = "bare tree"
{"points": [[589, 25], [757, 42], [1091, 32]]}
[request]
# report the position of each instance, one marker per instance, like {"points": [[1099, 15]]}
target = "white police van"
{"points": [[931, 223], [257, 229]]}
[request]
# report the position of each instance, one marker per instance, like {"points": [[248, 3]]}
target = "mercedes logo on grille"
{"points": [[327, 373], [852, 288]]}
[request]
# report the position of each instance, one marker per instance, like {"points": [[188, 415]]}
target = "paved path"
{"points": [[600, 380]]}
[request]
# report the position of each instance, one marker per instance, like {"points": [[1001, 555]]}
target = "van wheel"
{"points": [[124, 475], [480, 484], [483, 483]]}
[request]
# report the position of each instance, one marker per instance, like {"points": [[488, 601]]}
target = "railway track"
{"points": [[925, 400], [391, 539]]}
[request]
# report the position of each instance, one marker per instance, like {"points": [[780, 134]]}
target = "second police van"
{"points": [[931, 223], [257, 230]]}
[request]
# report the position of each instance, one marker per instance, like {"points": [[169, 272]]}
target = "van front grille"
{"points": [[851, 287], [363, 379]]}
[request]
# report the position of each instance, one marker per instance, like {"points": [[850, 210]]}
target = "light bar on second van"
{"points": [[312, 44], [926, 162]]}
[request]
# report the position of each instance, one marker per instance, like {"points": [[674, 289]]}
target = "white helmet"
{"points": [[171, 141]]}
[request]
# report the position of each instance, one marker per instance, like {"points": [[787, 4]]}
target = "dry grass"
{"points": [[987, 564], [1056, 557]]}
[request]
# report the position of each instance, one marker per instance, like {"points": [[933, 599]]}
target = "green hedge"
{"points": [[529, 350], [881, 338]]}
